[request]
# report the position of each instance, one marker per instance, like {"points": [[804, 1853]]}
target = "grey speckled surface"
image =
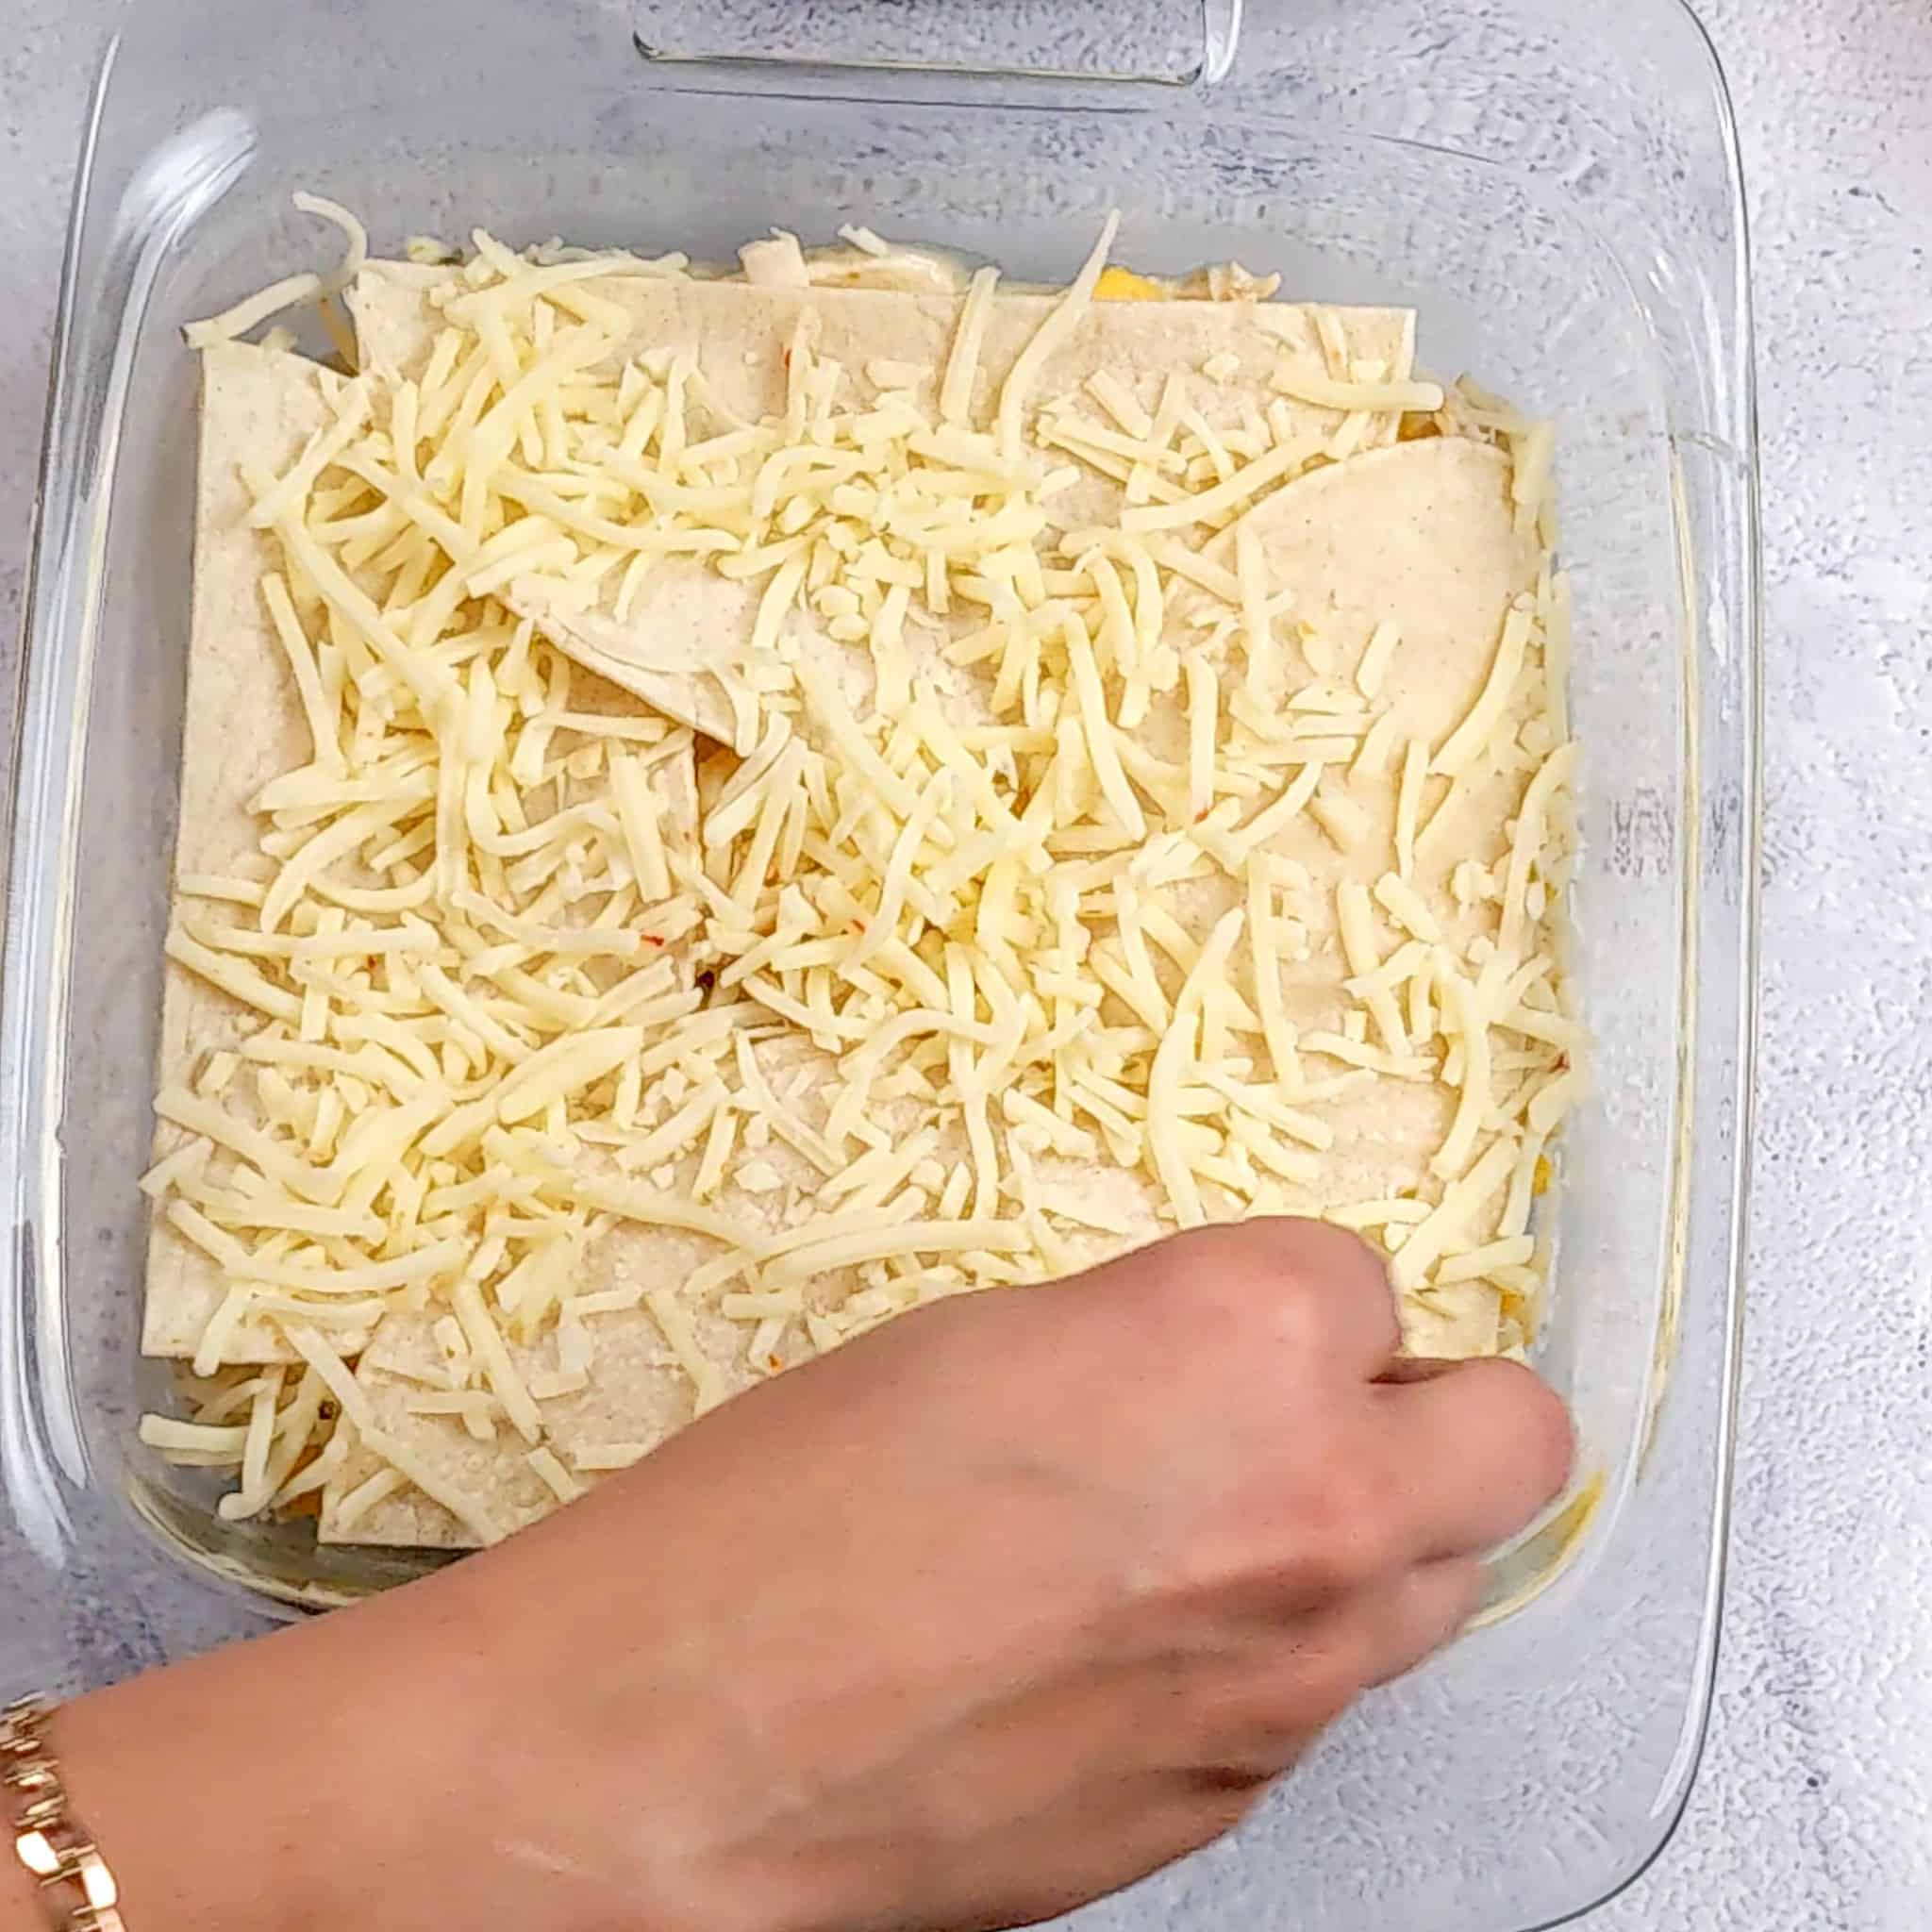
{"points": [[1815, 1803]]}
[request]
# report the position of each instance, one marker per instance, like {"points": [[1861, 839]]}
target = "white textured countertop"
{"points": [[1814, 1808]]}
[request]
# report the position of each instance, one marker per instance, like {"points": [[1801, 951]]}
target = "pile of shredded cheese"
{"points": [[892, 996]]}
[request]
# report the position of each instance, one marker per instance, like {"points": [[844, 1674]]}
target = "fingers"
{"points": [[1487, 1446], [1420, 1610], [1309, 1673]]}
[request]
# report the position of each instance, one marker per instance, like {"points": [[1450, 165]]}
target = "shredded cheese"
{"points": [[1075, 879]]}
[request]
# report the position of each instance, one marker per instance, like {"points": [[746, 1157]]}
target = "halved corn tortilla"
{"points": [[1421, 537], [638, 1391], [688, 621], [243, 724]]}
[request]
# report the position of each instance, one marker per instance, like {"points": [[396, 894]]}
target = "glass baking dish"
{"points": [[1555, 187]]}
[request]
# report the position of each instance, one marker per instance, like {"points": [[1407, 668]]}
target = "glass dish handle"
{"points": [[1177, 43]]}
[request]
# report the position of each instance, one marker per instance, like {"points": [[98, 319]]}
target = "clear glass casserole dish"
{"points": [[1554, 189]]}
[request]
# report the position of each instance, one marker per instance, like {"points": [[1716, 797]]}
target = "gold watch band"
{"points": [[75, 1885]]}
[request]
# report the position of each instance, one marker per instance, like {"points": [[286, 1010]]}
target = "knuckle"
{"points": [[1305, 1692], [1202, 1572], [1227, 1804], [1330, 1252], [1229, 1257], [1342, 1280], [1423, 1614], [1277, 1278], [1326, 1694], [1280, 1709], [1214, 1286], [1539, 1417], [1348, 1527]]}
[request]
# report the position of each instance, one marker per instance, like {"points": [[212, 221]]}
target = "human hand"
{"points": [[983, 1615], [995, 1611]]}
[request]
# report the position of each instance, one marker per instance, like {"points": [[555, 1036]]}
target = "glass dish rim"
{"points": [[35, 843]]}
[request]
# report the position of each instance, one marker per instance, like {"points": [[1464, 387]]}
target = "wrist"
{"points": [[615, 1811], [221, 1795], [399, 1765]]}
